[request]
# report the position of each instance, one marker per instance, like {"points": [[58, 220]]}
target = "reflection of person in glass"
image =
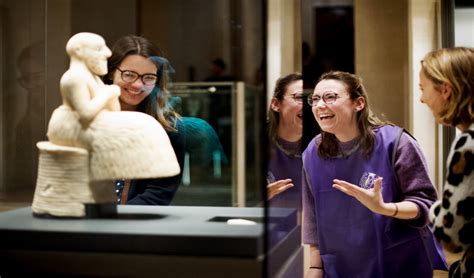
{"points": [[217, 72], [285, 130], [447, 88], [31, 127], [137, 67], [380, 231], [285, 126]]}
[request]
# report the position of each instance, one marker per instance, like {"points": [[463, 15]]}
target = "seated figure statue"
{"points": [[91, 142]]}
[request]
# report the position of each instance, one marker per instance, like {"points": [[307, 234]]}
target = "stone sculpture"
{"points": [[91, 142]]}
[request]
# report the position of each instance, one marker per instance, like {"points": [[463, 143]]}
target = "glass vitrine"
{"points": [[223, 125]]}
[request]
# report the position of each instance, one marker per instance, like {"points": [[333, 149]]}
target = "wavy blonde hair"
{"points": [[455, 68]]}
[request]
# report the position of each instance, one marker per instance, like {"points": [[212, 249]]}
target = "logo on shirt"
{"points": [[367, 180]]}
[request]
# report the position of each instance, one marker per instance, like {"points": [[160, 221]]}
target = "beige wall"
{"points": [[283, 40], [424, 34], [381, 56], [390, 40]]}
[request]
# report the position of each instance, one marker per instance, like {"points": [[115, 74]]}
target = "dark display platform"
{"points": [[146, 241]]}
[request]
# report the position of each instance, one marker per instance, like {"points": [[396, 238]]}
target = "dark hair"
{"points": [[366, 120], [156, 103], [454, 67], [280, 88]]}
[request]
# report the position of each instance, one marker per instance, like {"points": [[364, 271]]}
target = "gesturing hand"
{"points": [[371, 198], [277, 187]]}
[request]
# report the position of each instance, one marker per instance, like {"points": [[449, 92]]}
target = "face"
{"points": [[431, 95], [96, 56], [338, 117], [132, 94], [290, 110]]}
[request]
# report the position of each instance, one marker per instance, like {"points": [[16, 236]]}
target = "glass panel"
{"points": [[210, 113], [191, 36], [23, 86]]}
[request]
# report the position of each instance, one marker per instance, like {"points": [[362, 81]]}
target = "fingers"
{"points": [[345, 187], [378, 184], [278, 187]]}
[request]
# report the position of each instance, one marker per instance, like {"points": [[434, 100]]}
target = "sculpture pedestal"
{"points": [[63, 187]]}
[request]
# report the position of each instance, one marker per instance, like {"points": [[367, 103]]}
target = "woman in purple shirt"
{"points": [[366, 190]]}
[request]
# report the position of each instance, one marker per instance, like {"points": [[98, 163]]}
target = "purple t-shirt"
{"points": [[285, 163]]}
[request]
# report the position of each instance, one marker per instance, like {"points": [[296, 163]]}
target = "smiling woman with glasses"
{"points": [[137, 67], [285, 126], [356, 224]]}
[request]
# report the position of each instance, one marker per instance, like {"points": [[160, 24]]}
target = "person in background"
{"points": [[142, 74], [366, 190], [447, 88], [217, 72], [31, 127]]}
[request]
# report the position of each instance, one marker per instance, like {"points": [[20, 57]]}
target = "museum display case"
{"points": [[224, 175]]}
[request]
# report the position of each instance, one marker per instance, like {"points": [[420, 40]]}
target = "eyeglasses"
{"points": [[131, 76], [297, 97], [328, 98]]}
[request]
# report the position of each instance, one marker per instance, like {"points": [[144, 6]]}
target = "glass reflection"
{"points": [[31, 93]]}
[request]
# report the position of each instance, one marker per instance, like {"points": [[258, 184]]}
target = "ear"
{"points": [[275, 104], [359, 104], [446, 90]]}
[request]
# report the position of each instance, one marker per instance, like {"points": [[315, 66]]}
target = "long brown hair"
{"points": [[156, 103], [366, 120], [454, 67]]}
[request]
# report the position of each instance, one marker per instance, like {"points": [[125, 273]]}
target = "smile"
{"points": [[326, 116]]}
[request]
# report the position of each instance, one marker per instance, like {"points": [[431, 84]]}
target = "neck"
{"points": [[127, 107], [288, 134], [348, 135]]}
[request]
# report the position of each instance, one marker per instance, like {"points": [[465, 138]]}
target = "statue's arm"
{"points": [[75, 93], [113, 104]]}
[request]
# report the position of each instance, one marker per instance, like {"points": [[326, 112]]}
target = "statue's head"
{"points": [[91, 49]]}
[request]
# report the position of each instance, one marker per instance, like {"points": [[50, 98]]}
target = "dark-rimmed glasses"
{"points": [[328, 98], [297, 97], [130, 76]]}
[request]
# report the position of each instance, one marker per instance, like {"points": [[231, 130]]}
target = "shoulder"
{"points": [[465, 140], [312, 147], [177, 138], [388, 130], [71, 78], [461, 160]]}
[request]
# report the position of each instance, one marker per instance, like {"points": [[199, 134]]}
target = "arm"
{"points": [[314, 261], [417, 191], [160, 191], [75, 91], [373, 200], [415, 184], [310, 228], [452, 216]]}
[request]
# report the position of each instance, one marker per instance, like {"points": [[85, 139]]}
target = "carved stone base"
{"points": [[63, 186]]}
